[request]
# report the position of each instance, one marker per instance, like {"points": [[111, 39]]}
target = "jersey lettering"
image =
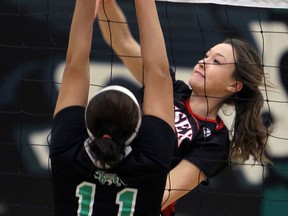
{"points": [[108, 178], [126, 199], [85, 192], [182, 126]]}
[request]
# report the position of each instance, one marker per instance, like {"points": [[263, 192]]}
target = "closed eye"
{"points": [[217, 62]]}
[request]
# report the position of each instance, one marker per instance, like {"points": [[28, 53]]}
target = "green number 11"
{"points": [[126, 199]]}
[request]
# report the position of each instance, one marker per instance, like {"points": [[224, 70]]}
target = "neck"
{"points": [[205, 107]]}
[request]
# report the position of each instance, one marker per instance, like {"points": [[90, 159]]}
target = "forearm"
{"points": [[151, 36], [170, 197], [76, 77], [113, 23], [81, 30], [155, 62], [181, 180], [116, 33]]}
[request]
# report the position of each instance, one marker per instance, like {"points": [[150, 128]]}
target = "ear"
{"points": [[235, 87]]}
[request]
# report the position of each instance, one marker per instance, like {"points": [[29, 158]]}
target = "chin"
{"points": [[196, 84]]}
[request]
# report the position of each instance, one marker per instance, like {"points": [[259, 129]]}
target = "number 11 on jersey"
{"points": [[126, 199]]}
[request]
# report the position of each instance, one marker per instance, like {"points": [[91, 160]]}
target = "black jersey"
{"points": [[204, 142], [134, 188]]}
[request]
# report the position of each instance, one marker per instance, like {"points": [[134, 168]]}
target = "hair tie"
{"points": [[106, 136]]}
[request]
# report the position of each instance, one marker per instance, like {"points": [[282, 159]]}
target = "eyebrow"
{"points": [[217, 53]]}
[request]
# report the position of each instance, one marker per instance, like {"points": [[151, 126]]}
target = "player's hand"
{"points": [[97, 7]]}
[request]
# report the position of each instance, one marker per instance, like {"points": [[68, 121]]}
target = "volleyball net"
{"points": [[244, 3], [33, 43]]}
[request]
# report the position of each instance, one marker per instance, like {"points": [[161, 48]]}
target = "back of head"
{"points": [[112, 118]]}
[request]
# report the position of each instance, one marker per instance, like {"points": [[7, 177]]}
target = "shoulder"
{"points": [[210, 150], [181, 90], [155, 132], [153, 123], [68, 129], [155, 142], [70, 111]]}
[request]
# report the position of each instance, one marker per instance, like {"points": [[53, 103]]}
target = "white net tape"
{"points": [[244, 3]]}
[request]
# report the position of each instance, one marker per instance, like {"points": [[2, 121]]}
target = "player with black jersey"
{"points": [[107, 159], [229, 73], [202, 141]]}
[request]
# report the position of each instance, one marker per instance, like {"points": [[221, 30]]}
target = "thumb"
{"points": [[96, 7]]}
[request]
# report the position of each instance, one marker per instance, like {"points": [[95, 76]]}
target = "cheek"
{"points": [[196, 80], [215, 81], [213, 85], [220, 75]]}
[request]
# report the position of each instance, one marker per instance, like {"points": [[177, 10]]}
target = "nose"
{"points": [[201, 62]]}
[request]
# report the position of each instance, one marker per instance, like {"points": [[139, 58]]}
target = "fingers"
{"points": [[96, 7]]}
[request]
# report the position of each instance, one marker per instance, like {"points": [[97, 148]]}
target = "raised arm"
{"points": [[158, 93], [116, 33], [75, 82]]}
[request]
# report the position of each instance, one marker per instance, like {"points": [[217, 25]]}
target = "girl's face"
{"points": [[214, 75]]}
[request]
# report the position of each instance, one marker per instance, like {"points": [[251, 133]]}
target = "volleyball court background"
{"points": [[33, 41]]}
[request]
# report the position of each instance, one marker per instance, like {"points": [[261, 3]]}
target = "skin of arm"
{"points": [[185, 175], [76, 77], [116, 33], [181, 180], [157, 77]]}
